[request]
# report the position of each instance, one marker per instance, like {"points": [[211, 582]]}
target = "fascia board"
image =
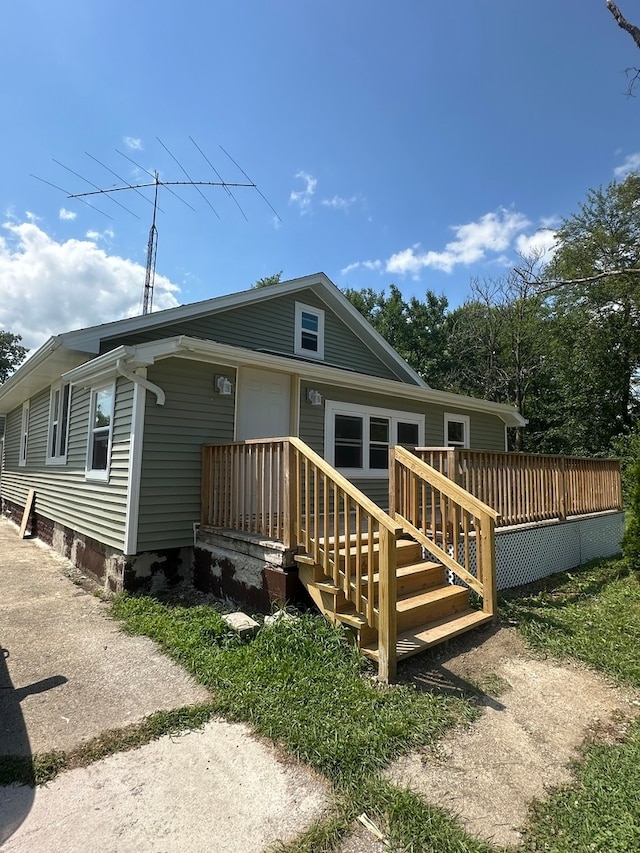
{"points": [[93, 335], [236, 356], [40, 370], [223, 354]]}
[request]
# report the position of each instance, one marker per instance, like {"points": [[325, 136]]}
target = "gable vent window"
{"points": [[58, 424], [309, 331]]}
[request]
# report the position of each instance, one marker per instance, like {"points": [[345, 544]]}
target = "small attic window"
{"points": [[309, 332]]}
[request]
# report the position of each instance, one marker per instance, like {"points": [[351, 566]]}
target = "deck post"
{"points": [[393, 497], [488, 563], [290, 497], [387, 613], [562, 490], [206, 485]]}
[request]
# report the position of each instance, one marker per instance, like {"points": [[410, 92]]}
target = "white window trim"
{"points": [[58, 458], [460, 419], [24, 435], [333, 408], [297, 344], [99, 475]]}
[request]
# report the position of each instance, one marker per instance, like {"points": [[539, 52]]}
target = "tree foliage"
{"points": [[566, 356], [11, 354], [418, 330], [268, 280]]}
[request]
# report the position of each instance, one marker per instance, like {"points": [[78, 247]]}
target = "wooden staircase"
{"points": [[429, 609]]}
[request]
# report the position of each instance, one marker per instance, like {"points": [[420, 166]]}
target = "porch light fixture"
{"points": [[314, 397], [223, 385]]}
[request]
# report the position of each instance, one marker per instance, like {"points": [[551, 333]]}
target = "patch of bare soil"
{"points": [[537, 715]]}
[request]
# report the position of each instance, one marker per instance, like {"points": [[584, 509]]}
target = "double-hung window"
{"points": [[456, 430], [309, 331], [59, 405], [100, 432], [357, 438]]}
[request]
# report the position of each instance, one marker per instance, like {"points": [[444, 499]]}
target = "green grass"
{"points": [[600, 812], [300, 684], [303, 686], [592, 614], [40, 768]]}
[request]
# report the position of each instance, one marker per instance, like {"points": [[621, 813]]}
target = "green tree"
{"points": [[417, 330], [268, 280], [597, 316], [11, 354]]}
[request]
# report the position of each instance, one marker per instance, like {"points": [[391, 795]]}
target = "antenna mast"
{"points": [[125, 186], [152, 248]]}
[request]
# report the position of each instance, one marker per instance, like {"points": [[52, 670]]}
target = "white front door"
{"points": [[263, 404]]}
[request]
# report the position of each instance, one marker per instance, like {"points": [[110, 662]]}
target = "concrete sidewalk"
{"points": [[67, 674]]}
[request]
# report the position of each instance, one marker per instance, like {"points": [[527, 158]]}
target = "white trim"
{"points": [[215, 353], [298, 348], [334, 407], [135, 469], [58, 458], [24, 435], [98, 474], [449, 417]]}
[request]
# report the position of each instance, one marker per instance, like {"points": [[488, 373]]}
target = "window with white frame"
{"points": [[59, 404], [357, 438], [24, 434], [100, 432], [309, 331], [456, 430]]}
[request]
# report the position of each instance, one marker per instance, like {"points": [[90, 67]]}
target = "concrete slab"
{"points": [[66, 675], [217, 789]]}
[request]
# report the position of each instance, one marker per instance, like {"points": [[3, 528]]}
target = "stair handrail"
{"points": [[263, 486], [470, 517]]}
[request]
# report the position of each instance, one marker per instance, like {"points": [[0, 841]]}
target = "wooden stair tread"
{"points": [[424, 636], [406, 571], [412, 600]]}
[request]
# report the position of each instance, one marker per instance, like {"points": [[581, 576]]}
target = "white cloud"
{"points": [[541, 244], [631, 164], [133, 143], [374, 266], [50, 287], [303, 197], [67, 214], [107, 235], [493, 233], [338, 203]]}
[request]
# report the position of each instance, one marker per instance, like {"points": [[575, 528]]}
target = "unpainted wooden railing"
{"points": [[457, 528], [526, 487], [282, 489]]}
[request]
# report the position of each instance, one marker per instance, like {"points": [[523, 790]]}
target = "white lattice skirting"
{"points": [[526, 554]]}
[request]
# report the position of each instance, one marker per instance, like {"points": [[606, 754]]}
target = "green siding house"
{"points": [[107, 423]]}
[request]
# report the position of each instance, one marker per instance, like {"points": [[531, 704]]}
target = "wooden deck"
{"points": [[383, 574]]}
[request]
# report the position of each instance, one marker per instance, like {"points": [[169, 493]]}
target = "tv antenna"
{"points": [[156, 183]]}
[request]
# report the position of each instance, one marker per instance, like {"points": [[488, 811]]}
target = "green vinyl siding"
{"points": [[97, 510], [193, 415], [486, 431], [270, 326]]}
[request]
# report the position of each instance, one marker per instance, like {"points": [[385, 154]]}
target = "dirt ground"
{"points": [[537, 714]]}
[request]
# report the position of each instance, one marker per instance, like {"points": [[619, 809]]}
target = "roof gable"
{"points": [[163, 323]]}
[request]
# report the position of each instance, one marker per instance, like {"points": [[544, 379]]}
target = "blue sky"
{"points": [[418, 143]]}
